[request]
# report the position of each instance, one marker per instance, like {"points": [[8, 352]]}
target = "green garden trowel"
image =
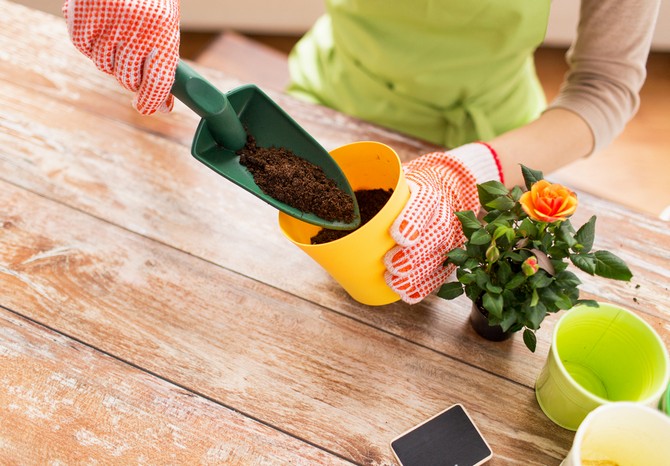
{"points": [[226, 119]]}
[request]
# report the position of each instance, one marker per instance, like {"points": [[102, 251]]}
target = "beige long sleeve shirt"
{"points": [[608, 64]]}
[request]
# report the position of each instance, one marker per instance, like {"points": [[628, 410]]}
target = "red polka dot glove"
{"points": [[440, 183], [135, 40]]}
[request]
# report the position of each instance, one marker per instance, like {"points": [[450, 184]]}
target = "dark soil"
{"points": [[370, 202], [280, 173]]}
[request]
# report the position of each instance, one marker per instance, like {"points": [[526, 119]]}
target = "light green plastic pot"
{"points": [[665, 402], [601, 355]]}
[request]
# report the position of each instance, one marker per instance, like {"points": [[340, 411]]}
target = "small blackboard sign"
{"points": [[449, 438]]}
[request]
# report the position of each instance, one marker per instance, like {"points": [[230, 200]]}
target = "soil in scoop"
{"points": [[281, 174], [370, 202]]}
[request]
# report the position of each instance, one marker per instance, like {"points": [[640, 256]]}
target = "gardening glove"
{"points": [[135, 40], [440, 183]]}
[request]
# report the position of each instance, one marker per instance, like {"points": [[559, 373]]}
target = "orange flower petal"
{"points": [[547, 202]]}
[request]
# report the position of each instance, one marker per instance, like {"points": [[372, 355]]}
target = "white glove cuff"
{"points": [[482, 161]]}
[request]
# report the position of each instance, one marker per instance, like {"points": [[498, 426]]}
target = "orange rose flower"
{"points": [[547, 202]]}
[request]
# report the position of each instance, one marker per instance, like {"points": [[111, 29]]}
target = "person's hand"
{"points": [[135, 40], [441, 183]]}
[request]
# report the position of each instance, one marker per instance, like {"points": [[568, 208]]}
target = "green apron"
{"points": [[447, 71]]}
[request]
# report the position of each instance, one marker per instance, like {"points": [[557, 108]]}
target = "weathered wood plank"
{"points": [[318, 375], [62, 402]]}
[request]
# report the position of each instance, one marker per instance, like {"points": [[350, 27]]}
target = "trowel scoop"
{"points": [[228, 117]]}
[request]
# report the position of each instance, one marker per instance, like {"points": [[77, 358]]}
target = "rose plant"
{"points": [[514, 262]]}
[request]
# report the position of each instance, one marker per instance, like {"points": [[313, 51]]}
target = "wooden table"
{"points": [[152, 312]]}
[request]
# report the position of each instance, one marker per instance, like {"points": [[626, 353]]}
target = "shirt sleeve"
{"points": [[607, 64]]}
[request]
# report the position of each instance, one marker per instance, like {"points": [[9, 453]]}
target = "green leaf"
{"points": [[527, 227], [509, 298], [545, 243], [500, 203], [559, 250], [530, 176], [502, 230], [508, 319], [480, 237], [564, 302], [481, 278], [494, 304], [587, 302], [516, 193], [510, 236], [450, 290], [585, 262], [495, 289], [551, 307], [565, 234], [573, 294], [537, 315], [540, 279], [473, 291], [493, 188], [567, 279], [457, 256], [490, 217], [469, 222], [534, 299], [515, 282], [500, 218], [559, 265], [585, 235], [490, 191], [609, 265], [504, 272], [514, 256], [471, 264], [466, 278], [530, 339], [549, 294]]}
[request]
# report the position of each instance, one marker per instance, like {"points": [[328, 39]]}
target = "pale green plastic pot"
{"points": [[600, 355], [665, 402]]}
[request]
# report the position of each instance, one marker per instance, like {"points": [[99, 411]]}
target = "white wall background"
{"points": [[295, 17]]}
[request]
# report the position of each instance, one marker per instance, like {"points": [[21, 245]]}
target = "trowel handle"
{"points": [[211, 104]]}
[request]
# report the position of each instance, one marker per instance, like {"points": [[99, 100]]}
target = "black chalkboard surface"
{"points": [[449, 438]]}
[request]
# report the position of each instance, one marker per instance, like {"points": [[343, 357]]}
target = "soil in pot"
{"points": [[295, 181], [370, 202]]}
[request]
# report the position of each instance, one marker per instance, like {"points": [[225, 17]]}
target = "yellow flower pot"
{"points": [[356, 261]]}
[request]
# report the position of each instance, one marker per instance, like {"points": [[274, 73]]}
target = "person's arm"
{"points": [[555, 139], [600, 93]]}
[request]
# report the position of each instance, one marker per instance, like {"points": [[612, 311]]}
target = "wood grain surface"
{"points": [[70, 403], [152, 312]]}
